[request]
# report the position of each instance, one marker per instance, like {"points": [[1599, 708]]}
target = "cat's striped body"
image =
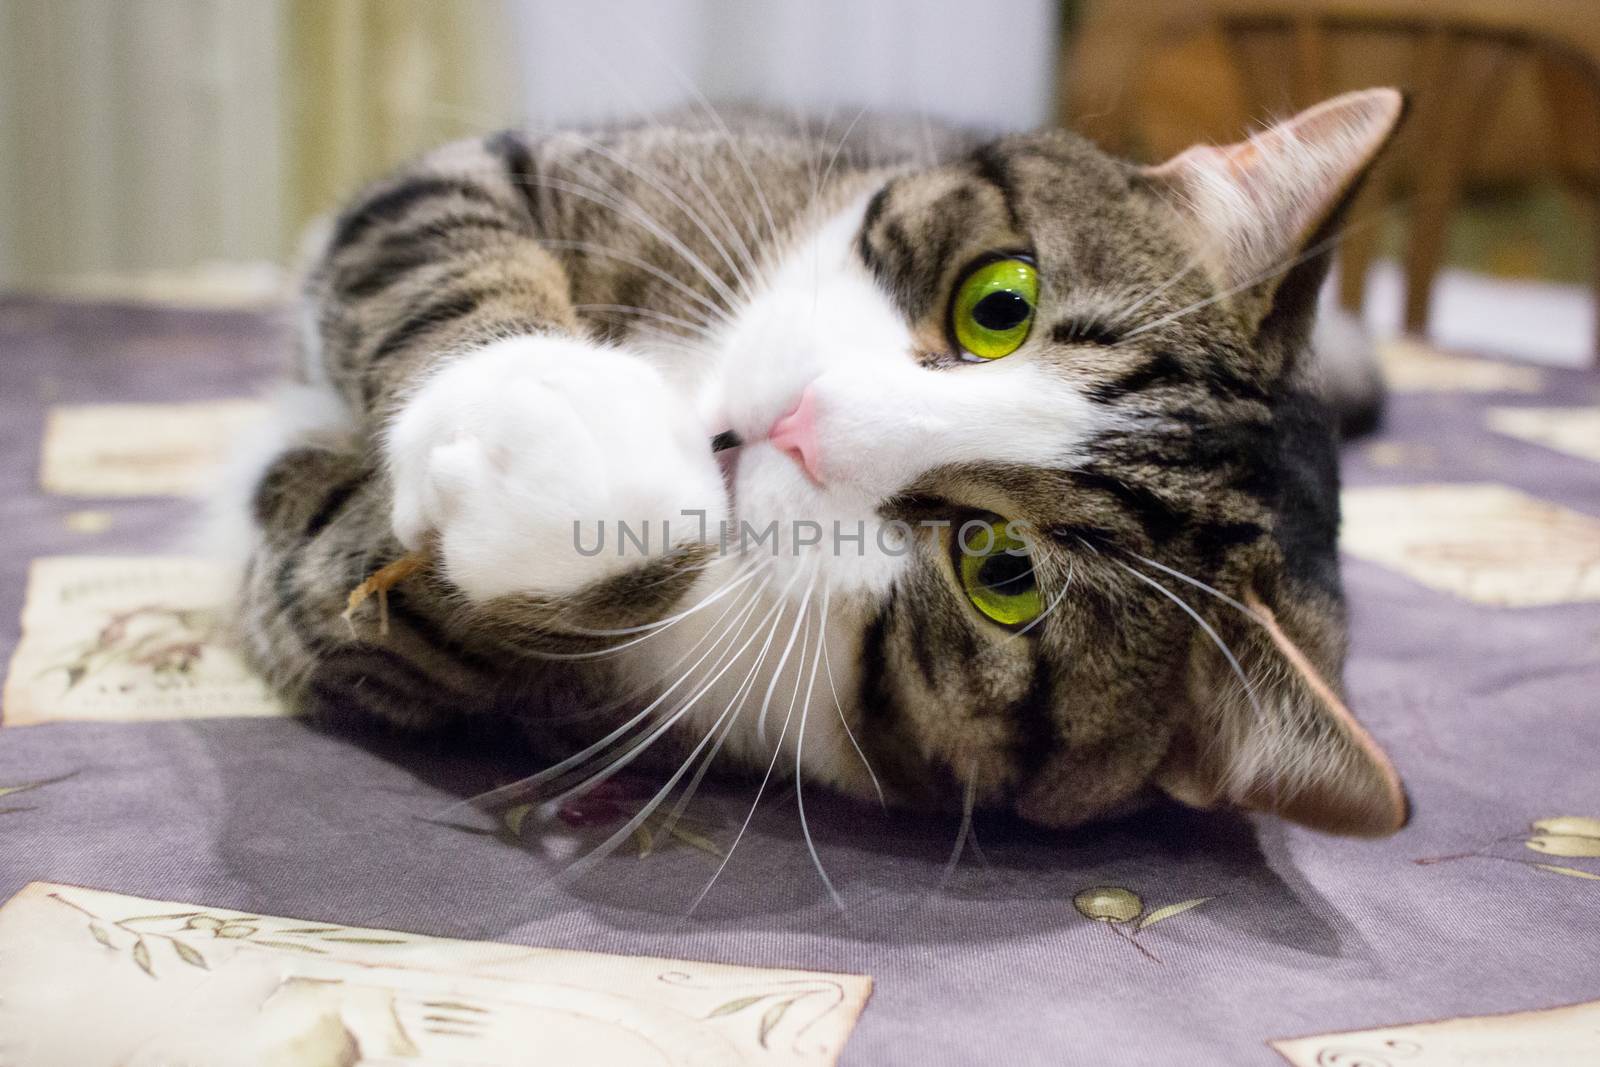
{"points": [[523, 335]]}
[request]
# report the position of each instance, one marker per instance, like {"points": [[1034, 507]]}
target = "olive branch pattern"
{"points": [[1565, 836], [166, 641], [179, 931], [1365, 1056], [1122, 911], [28, 787], [775, 1001]]}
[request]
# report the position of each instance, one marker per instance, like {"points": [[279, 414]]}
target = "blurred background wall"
{"points": [[177, 148], [188, 142]]}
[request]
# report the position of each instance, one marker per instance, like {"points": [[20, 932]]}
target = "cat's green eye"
{"points": [[996, 572], [993, 308]]}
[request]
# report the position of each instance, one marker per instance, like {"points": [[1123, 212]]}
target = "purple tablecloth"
{"points": [[1491, 713]]}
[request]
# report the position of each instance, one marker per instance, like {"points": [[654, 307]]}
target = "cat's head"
{"points": [[1068, 402]]}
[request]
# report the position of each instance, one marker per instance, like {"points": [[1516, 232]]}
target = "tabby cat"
{"points": [[915, 464]]}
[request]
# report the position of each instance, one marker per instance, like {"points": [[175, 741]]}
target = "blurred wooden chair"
{"points": [[1454, 58]]}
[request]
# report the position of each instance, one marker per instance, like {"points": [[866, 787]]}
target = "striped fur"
{"points": [[1187, 444]]}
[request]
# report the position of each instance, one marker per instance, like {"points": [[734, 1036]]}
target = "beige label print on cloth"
{"points": [[122, 639], [164, 982], [1575, 431], [1412, 366], [1566, 1036], [104, 450], [1485, 542]]}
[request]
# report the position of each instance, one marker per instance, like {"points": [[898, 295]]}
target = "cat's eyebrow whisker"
{"points": [[699, 99], [656, 182], [799, 760], [640, 106], [656, 338], [827, 667], [630, 210], [1202, 586], [677, 284], [1216, 638], [1065, 586], [739, 155], [1132, 309], [1272, 272], [754, 272], [833, 159], [650, 313]]}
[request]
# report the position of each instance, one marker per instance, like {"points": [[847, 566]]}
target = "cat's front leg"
{"points": [[517, 458]]}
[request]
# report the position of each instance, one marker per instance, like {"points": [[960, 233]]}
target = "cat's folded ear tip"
{"points": [[1367, 799], [1383, 107], [1363, 801], [1391, 103]]}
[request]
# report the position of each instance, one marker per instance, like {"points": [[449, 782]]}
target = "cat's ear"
{"points": [[1256, 205], [1280, 739]]}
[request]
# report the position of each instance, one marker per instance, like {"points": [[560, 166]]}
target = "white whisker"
{"points": [[631, 211], [827, 667], [965, 829], [672, 280], [1128, 312], [651, 629], [1065, 586], [799, 763], [521, 787], [605, 847], [1198, 584], [740, 697], [656, 182], [777, 672], [777, 751], [1216, 638], [1272, 272], [626, 311]]}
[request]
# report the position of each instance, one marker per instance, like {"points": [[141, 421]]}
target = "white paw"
{"points": [[515, 454]]}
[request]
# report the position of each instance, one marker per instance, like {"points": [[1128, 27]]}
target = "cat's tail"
{"points": [[1347, 372]]}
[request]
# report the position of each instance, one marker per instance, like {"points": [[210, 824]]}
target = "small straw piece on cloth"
{"points": [[380, 582]]}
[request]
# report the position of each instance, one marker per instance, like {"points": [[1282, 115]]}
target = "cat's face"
{"points": [[1037, 425]]}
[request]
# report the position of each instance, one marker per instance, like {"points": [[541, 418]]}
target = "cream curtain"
{"points": [[163, 143], [371, 82], [153, 144]]}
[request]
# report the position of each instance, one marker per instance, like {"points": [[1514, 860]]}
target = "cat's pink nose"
{"points": [[796, 434]]}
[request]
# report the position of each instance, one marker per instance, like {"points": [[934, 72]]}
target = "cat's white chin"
{"points": [[825, 534]]}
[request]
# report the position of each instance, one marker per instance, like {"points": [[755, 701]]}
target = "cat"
{"points": [[918, 465]]}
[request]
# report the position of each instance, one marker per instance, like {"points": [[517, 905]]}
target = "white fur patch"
{"points": [[882, 421], [515, 453], [882, 418], [299, 415]]}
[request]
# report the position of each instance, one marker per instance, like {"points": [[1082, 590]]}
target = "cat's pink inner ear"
{"points": [[1254, 205]]}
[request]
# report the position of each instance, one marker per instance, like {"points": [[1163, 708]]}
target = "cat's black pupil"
{"points": [[1006, 574], [1001, 310]]}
